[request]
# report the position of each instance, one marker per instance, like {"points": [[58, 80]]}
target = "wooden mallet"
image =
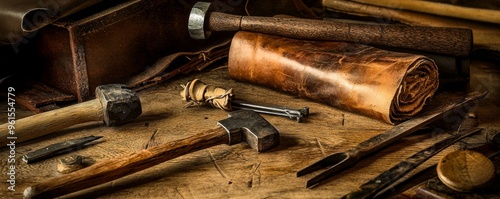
{"points": [[115, 104]]}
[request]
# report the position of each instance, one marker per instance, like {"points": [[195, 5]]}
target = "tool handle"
{"points": [[109, 170], [449, 41], [44, 123]]}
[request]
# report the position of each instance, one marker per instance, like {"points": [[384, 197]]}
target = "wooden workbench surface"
{"points": [[238, 171]]}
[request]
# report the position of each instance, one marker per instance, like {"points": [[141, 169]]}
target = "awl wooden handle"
{"points": [[116, 168], [449, 41], [44, 123]]}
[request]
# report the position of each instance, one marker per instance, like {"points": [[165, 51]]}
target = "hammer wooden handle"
{"points": [[116, 168], [48, 122], [449, 41]]}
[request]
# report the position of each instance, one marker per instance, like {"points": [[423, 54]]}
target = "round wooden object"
{"points": [[69, 164], [466, 171]]}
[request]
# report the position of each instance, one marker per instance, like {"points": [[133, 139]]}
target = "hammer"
{"points": [[449, 41], [241, 126], [115, 104]]}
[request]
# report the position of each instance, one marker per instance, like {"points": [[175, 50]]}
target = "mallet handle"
{"points": [[109, 170], [44, 123], [449, 41]]}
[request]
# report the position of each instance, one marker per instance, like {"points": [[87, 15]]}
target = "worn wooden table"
{"points": [[238, 171]]}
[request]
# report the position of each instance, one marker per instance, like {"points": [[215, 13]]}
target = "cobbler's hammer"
{"points": [[241, 126], [449, 41], [115, 104]]}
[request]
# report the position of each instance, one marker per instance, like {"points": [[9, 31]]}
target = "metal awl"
{"points": [[339, 161], [297, 114]]}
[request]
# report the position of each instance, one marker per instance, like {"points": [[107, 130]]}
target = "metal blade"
{"points": [[339, 161], [372, 187], [58, 148]]}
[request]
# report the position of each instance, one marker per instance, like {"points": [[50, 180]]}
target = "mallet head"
{"points": [[248, 126], [119, 103], [196, 24]]}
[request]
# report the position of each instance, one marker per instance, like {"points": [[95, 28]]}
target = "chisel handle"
{"points": [[109, 170], [47, 122], [448, 41]]}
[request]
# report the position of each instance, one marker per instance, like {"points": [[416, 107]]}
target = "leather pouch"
{"points": [[386, 85]]}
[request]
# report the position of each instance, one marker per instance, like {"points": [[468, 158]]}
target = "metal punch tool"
{"points": [[337, 162]]}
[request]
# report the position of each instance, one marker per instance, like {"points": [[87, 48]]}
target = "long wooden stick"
{"points": [[116, 168], [484, 34], [44, 123], [485, 15]]}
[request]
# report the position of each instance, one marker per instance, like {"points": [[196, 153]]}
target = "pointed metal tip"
{"points": [[311, 184], [304, 110], [98, 137], [312, 168], [308, 170], [88, 139], [301, 173], [92, 138], [315, 181]]}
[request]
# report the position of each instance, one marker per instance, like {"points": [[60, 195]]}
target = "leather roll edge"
{"points": [[381, 84]]}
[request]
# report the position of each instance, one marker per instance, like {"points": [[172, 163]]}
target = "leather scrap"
{"points": [[177, 63], [385, 85]]}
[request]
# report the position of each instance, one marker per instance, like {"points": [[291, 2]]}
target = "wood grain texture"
{"points": [[48, 122], [485, 15], [449, 41], [485, 34], [237, 171], [107, 171], [466, 171]]}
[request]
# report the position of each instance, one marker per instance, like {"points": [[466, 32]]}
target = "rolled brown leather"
{"points": [[382, 84]]}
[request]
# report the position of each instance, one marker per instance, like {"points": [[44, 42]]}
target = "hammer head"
{"points": [[248, 126], [119, 103], [196, 24]]}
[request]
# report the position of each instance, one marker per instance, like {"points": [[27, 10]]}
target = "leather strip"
{"points": [[382, 84], [181, 62]]}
